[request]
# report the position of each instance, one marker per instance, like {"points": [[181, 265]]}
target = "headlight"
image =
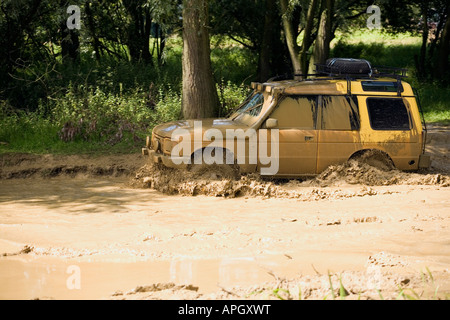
{"points": [[156, 145]]}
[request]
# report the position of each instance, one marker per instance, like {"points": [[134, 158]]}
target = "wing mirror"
{"points": [[271, 123]]}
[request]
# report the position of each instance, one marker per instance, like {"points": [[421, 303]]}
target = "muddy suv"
{"points": [[290, 128]]}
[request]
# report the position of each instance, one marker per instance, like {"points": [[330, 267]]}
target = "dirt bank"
{"points": [[24, 166]]}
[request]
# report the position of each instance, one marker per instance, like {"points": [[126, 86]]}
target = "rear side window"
{"points": [[339, 113], [388, 114], [382, 86]]}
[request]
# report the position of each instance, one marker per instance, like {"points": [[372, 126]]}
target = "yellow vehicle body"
{"points": [[319, 122]]}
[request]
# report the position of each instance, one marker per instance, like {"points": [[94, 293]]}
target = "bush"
{"points": [[230, 96], [91, 114]]}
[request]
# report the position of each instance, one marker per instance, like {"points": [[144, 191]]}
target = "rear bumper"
{"points": [[156, 157], [424, 161]]}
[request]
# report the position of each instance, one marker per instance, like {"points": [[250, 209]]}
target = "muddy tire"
{"points": [[374, 158], [224, 170]]}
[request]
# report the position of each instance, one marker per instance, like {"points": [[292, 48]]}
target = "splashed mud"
{"points": [[355, 172], [214, 182], [367, 171]]}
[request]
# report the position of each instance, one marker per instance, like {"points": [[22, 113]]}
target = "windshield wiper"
{"points": [[254, 107]]}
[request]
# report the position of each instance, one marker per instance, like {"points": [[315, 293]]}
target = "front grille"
{"points": [[166, 146]]}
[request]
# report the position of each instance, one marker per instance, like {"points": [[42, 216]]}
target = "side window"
{"points": [[388, 114], [383, 86], [296, 112], [339, 113]]}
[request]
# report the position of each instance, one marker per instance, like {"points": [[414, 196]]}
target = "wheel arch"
{"points": [[367, 151]]}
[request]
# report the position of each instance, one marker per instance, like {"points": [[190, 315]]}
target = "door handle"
{"points": [[309, 138]]}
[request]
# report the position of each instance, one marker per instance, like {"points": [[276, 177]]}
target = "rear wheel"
{"points": [[374, 158]]}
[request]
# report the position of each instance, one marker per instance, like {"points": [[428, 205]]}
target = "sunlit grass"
{"points": [[377, 36]]}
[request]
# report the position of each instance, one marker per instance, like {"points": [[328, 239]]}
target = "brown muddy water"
{"points": [[128, 243], [111, 227]]}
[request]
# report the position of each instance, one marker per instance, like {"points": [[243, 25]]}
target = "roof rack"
{"points": [[326, 73], [348, 69], [376, 72]]}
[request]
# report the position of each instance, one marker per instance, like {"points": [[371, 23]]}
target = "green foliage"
{"points": [[232, 61], [91, 114], [435, 102], [380, 48], [240, 19], [231, 96], [168, 107], [92, 119]]}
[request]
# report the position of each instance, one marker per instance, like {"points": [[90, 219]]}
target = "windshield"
{"points": [[252, 106]]}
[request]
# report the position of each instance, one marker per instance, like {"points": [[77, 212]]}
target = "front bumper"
{"points": [[156, 157]]}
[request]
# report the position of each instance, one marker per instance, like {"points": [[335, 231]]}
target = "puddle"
{"points": [[28, 277]]}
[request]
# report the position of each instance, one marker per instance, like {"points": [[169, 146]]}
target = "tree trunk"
{"points": [[324, 35], [200, 99], [307, 37], [92, 30], [70, 41], [138, 38], [423, 49], [291, 36], [267, 41], [437, 32], [298, 54], [441, 69]]}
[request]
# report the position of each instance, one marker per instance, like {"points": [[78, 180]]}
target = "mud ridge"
{"points": [[213, 182], [356, 172], [25, 166]]}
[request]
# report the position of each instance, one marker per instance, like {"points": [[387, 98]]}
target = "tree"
{"points": [[268, 42], [441, 70], [324, 34], [199, 98], [70, 38], [431, 18], [291, 33], [298, 54], [139, 29]]}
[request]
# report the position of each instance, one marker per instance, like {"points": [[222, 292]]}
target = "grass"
{"points": [[42, 137], [428, 291], [378, 47], [435, 102]]}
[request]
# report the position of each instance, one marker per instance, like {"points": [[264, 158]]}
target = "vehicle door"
{"points": [[339, 135], [296, 117]]}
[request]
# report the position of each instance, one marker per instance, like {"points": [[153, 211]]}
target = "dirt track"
{"points": [[134, 232]]}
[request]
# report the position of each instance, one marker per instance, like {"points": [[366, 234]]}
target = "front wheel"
{"points": [[222, 169]]}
